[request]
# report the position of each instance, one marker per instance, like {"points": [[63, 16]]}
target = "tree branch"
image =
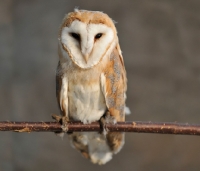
{"points": [[140, 127]]}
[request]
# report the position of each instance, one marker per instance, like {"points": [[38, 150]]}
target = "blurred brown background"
{"points": [[160, 40]]}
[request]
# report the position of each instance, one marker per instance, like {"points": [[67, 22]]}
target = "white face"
{"points": [[87, 43]]}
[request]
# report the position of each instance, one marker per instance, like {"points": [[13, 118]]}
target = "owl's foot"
{"points": [[63, 120], [106, 119]]}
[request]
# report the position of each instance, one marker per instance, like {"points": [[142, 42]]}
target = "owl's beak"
{"points": [[86, 51], [86, 57]]}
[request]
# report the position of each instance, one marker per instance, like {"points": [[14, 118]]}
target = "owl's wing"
{"points": [[61, 93], [58, 84], [113, 84]]}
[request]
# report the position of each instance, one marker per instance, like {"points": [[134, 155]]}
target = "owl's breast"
{"points": [[85, 98]]}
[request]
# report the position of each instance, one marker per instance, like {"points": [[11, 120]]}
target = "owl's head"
{"points": [[87, 36]]}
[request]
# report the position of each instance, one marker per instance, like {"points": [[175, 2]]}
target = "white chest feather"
{"points": [[86, 101]]}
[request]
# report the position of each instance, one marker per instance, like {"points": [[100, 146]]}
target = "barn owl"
{"points": [[91, 81]]}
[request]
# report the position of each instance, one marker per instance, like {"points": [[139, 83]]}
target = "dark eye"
{"points": [[98, 35], [76, 36]]}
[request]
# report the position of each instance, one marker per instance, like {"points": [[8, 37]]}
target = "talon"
{"points": [[103, 126], [106, 119], [56, 117], [64, 126], [63, 120]]}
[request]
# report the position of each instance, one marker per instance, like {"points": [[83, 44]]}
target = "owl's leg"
{"points": [[63, 120], [106, 119]]}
